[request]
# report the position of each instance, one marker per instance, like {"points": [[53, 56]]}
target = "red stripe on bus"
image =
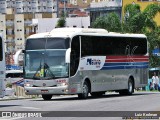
{"points": [[127, 59]]}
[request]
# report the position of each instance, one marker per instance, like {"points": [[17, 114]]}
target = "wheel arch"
{"points": [[86, 79]]}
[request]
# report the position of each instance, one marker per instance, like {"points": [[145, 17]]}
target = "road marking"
{"points": [[33, 108], [11, 118]]}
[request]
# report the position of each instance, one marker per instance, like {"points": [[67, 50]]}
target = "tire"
{"points": [[85, 91], [97, 94], [130, 89], [46, 97]]}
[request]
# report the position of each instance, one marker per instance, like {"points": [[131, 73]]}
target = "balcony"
{"points": [[9, 23], [27, 23], [10, 35], [9, 41]]}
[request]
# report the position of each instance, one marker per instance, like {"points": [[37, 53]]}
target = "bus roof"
{"points": [[71, 32]]}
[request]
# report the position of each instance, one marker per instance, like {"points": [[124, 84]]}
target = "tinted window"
{"points": [[48, 43], [75, 55], [14, 75], [1, 50], [97, 45]]}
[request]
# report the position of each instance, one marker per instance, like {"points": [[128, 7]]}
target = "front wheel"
{"points": [[46, 97], [85, 91]]}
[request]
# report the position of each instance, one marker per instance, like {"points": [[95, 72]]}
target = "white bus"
{"points": [[2, 68], [13, 76], [82, 61]]}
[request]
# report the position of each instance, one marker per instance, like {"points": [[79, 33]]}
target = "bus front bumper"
{"points": [[62, 90]]}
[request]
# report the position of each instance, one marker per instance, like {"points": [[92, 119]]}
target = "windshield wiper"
{"points": [[46, 67], [35, 75]]}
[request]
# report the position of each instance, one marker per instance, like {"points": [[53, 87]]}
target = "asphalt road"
{"points": [[108, 107]]}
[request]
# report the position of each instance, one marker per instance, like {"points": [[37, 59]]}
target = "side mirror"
{"points": [[67, 57]]}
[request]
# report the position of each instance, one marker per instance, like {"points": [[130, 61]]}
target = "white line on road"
{"points": [[10, 118], [33, 108]]}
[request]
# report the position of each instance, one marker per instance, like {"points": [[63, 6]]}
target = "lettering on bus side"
{"points": [[96, 62]]}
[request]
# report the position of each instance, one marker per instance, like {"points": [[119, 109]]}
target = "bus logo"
{"points": [[44, 84], [96, 62]]}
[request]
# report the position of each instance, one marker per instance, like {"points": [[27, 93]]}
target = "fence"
{"points": [[20, 92]]}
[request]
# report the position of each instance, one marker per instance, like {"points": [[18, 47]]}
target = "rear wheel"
{"points": [[130, 89], [46, 97], [85, 91]]}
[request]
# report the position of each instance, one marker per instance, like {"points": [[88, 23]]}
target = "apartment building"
{"points": [[25, 6], [143, 4], [84, 3], [16, 19], [104, 7]]}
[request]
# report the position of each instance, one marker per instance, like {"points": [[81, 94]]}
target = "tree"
{"points": [[154, 40], [137, 21], [110, 22], [140, 22], [61, 22]]}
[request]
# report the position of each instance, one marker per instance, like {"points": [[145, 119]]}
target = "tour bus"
{"points": [[2, 67], [84, 61], [14, 75]]}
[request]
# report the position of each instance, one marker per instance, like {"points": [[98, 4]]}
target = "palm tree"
{"points": [[110, 22]]}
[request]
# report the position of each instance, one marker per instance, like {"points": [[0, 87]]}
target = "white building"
{"points": [[78, 22], [27, 6]]}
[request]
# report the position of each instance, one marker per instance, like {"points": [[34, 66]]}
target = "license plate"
{"points": [[44, 91]]}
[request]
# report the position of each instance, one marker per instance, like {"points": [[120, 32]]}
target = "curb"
{"points": [[6, 98]]}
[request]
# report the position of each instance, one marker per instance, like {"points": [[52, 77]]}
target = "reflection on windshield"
{"points": [[45, 64]]}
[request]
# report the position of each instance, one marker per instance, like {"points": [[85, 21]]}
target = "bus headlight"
{"points": [[61, 84]]}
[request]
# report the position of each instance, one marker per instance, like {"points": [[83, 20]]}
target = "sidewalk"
{"points": [[12, 98]]}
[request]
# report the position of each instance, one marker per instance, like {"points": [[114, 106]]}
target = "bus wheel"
{"points": [[130, 89], [46, 97], [85, 91]]}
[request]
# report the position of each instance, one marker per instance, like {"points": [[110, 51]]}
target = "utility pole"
{"points": [[64, 8], [57, 9]]}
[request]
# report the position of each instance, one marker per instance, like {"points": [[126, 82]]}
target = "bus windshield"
{"points": [[48, 63]]}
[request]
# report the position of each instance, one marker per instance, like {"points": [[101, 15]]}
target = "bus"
{"points": [[2, 68], [84, 61], [13, 76]]}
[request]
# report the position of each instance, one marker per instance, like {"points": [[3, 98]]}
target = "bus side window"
{"points": [[17, 75], [9, 75], [75, 55], [14, 75]]}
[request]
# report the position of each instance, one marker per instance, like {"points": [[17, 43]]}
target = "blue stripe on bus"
{"points": [[129, 65]]}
